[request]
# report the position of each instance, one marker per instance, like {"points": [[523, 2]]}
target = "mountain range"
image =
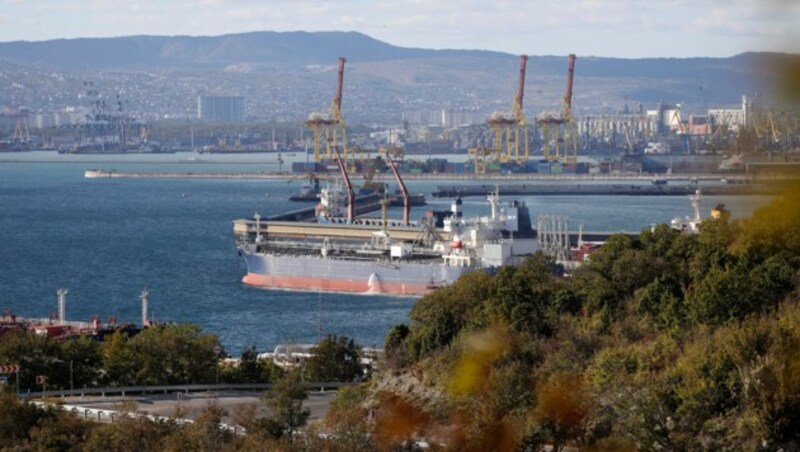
{"points": [[392, 76]]}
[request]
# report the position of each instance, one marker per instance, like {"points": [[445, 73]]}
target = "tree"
{"points": [[663, 300], [285, 403], [206, 433], [438, 317], [119, 361], [347, 423], [174, 354], [523, 297], [35, 355], [335, 358], [82, 358], [250, 368], [17, 419]]}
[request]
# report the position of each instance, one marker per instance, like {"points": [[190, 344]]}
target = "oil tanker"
{"points": [[380, 256], [341, 253]]}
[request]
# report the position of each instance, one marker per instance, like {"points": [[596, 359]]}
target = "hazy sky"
{"points": [[624, 28]]}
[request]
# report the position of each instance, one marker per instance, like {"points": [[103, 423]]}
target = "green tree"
{"points": [[250, 367], [82, 357], [119, 360], [523, 297], [335, 358], [285, 404], [35, 355], [174, 354], [438, 317], [663, 300], [17, 418]]}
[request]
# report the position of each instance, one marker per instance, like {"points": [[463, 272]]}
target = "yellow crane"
{"points": [[558, 132], [329, 127]]}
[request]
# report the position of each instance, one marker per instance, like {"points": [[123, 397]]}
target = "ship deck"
{"points": [[303, 230]]}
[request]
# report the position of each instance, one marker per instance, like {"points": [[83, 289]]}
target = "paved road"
{"points": [[193, 404]]}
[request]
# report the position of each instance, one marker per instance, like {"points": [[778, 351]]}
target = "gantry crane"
{"points": [[330, 126], [561, 132], [508, 130]]}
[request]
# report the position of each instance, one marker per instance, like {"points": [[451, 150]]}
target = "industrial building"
{"points": [[220, 108]]}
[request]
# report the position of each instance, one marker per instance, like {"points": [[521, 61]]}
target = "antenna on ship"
{"points": [[696, 205], [62, 305], [258, 227]]}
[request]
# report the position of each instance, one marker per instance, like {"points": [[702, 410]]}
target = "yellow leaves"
{"points": [[564, 401], [397, 420], [480, 351], [774, 227]]}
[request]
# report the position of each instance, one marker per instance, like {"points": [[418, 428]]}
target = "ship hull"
{"points": [[312, 273]]}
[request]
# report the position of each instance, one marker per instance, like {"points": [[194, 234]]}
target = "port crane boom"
{"points": [[561, 130], [509, 130], [351, 198], [329, 127], [567, 107], [337, 101], [403, 190], [518, 116]]}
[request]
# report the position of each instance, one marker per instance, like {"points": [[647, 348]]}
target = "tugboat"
{"points": [[690, 225]]}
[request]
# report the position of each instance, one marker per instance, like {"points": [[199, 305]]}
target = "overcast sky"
{"points": [[621, 28]]}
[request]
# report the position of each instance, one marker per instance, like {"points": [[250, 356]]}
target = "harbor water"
{"points": [[106, 239]]}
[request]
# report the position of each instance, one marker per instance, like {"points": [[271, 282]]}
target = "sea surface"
{"points": [[106, 239]]}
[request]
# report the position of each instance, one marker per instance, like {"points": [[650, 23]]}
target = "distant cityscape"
{"points": [[444, 103]]}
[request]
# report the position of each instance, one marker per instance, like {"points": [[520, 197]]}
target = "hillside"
{"points": [[285, 75], [666, 341]]}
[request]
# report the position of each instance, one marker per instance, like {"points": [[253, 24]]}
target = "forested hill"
{"points": [[668, 341]]}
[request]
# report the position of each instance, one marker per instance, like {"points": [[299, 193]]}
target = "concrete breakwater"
{"points": [[451, 191], [105, 174]]}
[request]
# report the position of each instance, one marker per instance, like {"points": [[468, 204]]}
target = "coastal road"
{"points": [[192, 404]]}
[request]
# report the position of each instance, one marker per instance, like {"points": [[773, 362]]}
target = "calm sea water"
{"points": [[106, 239]]}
